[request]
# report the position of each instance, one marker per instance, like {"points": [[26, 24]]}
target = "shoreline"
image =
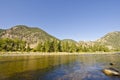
{"points": [[49, 53]]}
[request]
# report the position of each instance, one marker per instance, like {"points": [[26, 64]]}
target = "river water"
{"points": [[59, 67]]}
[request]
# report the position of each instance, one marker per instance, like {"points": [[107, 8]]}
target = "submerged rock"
{"points": [[111, 72]]}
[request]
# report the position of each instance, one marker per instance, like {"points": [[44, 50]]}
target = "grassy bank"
{"points": [[46, 53]]}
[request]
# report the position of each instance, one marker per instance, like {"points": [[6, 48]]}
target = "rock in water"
{"points": [[111, 72]]}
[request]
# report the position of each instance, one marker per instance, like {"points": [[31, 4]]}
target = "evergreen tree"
{"points": [[28, 48], [47, 46], [55, 45]]}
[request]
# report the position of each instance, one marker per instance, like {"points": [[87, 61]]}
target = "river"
{"points": [[58, 67]]}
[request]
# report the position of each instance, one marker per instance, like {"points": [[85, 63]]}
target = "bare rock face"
{"points": [[112, 40]]}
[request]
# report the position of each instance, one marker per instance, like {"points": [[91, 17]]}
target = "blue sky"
{"points": [[71, 19]]}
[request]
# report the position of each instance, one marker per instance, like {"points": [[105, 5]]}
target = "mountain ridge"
{"points": [[111, 39], [31, 35], [34, 35]]}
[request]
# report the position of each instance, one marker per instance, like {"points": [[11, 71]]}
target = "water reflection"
{"points": [[73, 67]]}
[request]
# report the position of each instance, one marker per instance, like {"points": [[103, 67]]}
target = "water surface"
{"points": [[59, 67]]}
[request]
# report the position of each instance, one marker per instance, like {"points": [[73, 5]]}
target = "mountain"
{"points": [[112, 40], [31, 35], [1, 30], [34, 35]]}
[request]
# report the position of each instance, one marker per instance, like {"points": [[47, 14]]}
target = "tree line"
{"points": [[7, 44], [66, 46]]}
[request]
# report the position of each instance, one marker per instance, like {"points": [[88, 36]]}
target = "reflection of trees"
{"points": [[17, 65]]}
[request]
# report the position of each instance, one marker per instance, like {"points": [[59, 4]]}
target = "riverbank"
{"points": [[46, 53]]}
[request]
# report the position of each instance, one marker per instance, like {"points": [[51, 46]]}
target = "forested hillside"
{"points": [[1, 30], [24, 38], [111, 40], [31, 35]]}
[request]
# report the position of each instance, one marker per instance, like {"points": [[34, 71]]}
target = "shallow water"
{"points": [[60, 67]]}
